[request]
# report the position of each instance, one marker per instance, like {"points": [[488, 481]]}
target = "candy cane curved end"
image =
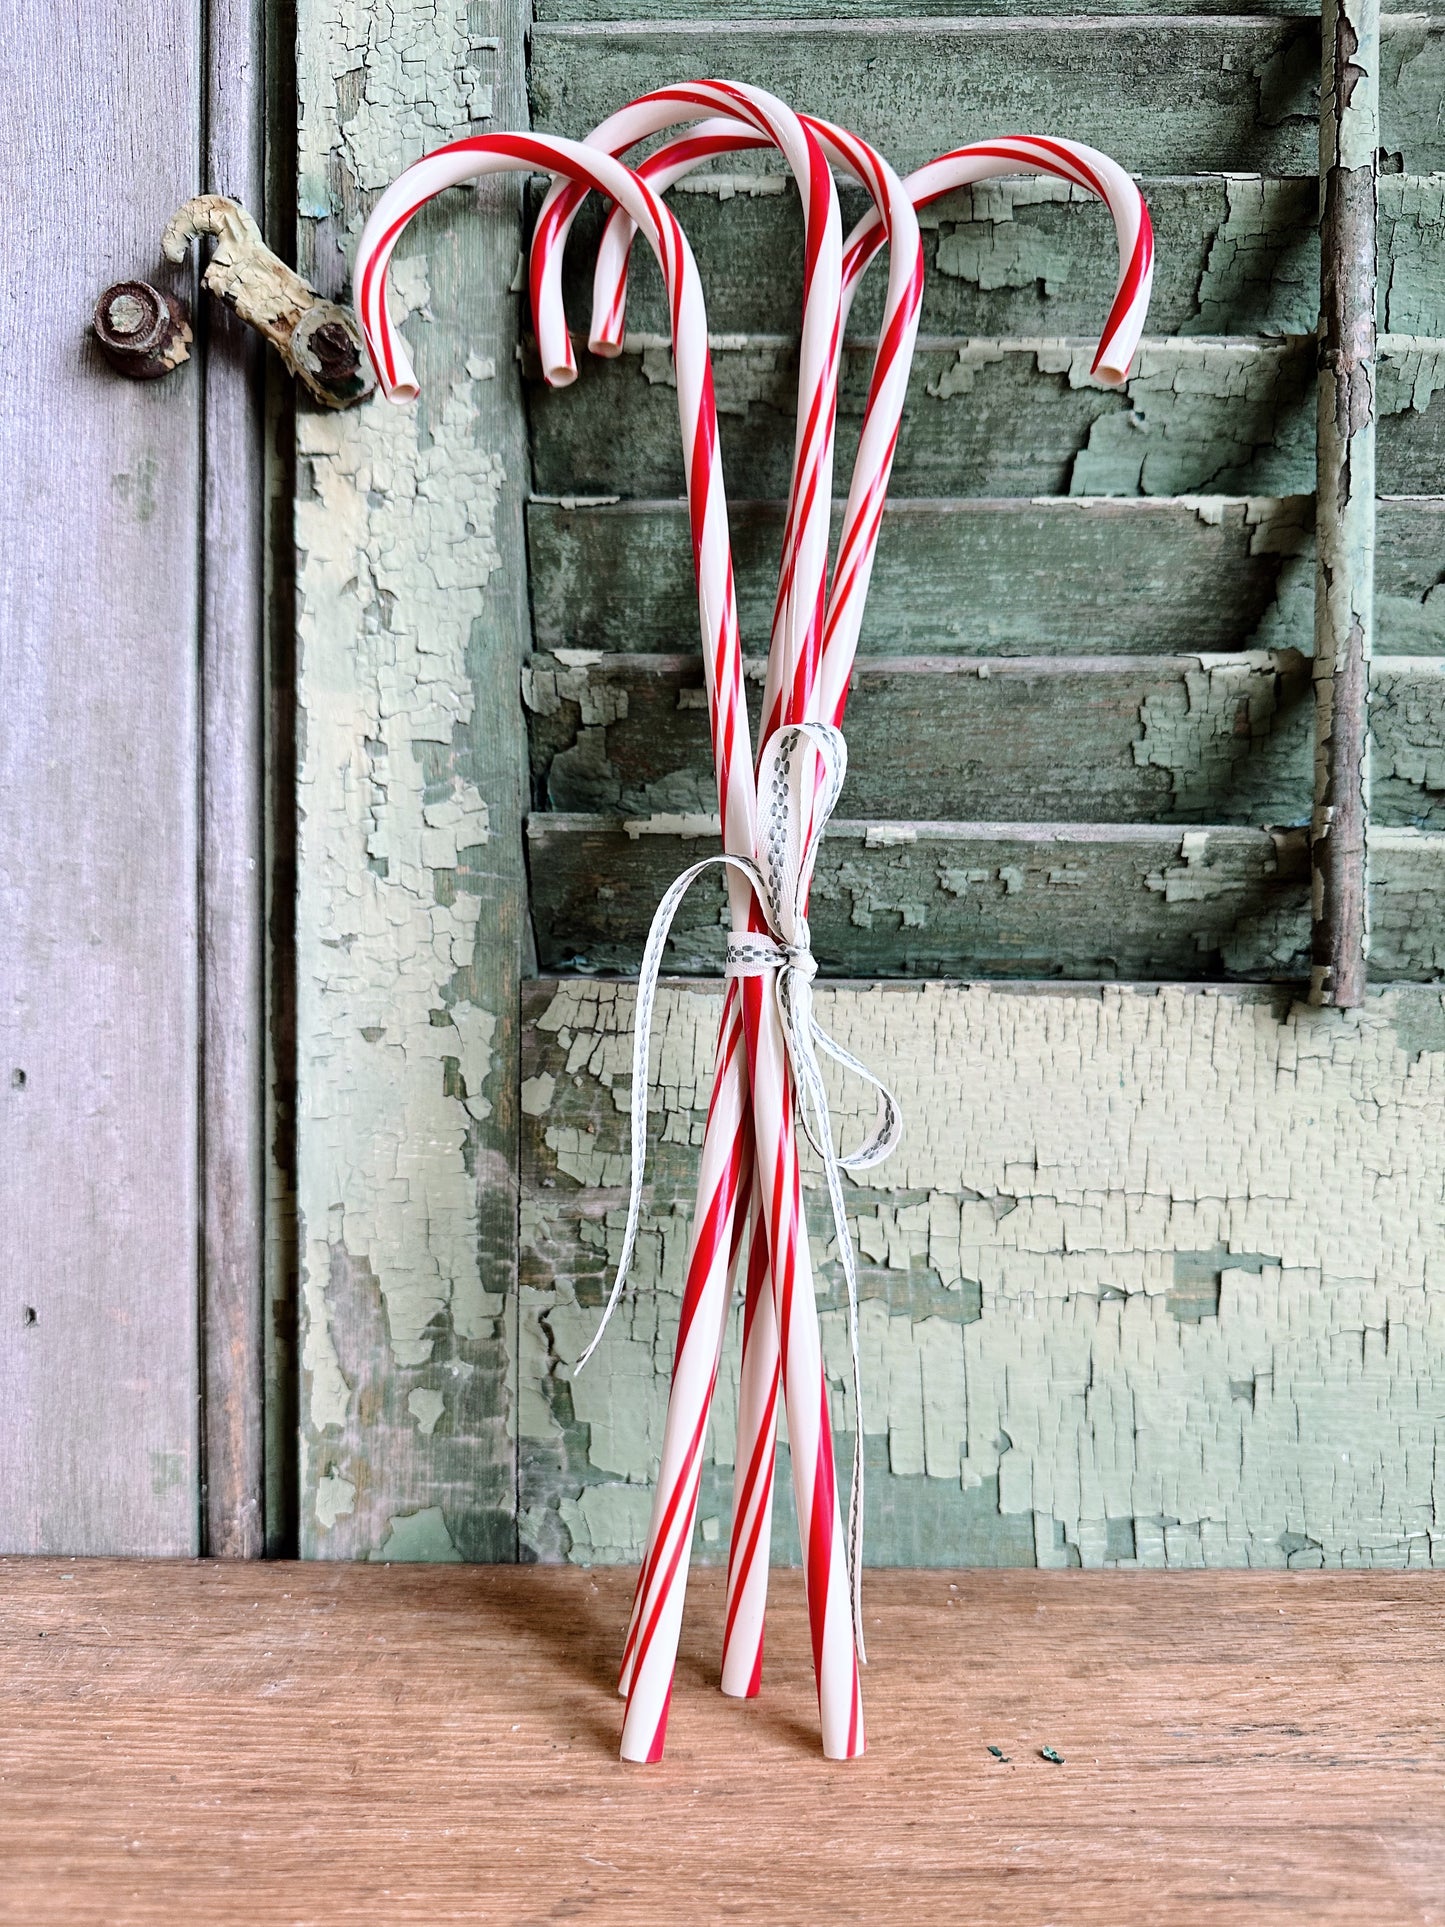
{"points": [[1082, 166], [466, 160]]}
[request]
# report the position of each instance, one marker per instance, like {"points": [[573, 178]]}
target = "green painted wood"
{"points": [[1007, 577], [411, 911], [993, 900], [1113, 739], [1234, 256], [593, 12], [1015, 577], [1202, 95], [998, 418], [1110, 1315], [1407, 743]]}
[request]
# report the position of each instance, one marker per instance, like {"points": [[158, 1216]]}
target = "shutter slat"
{"points": [[993, 899]]}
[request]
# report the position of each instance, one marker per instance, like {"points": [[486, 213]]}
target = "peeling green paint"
{"points": [[410, 790], [426, 1407], [1407, 764], [419, 1537], [1153, 1338], [1205, 729], [381, 950], [335, 1499]]}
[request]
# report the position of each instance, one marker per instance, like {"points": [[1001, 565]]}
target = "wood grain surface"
{"points": [[1078, 900], [233, 857], [100, 519], [364, 1744], [1118, 576]]}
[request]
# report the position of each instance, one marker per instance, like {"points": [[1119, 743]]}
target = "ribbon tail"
{"points": [[647, 977], [887, 1132]]}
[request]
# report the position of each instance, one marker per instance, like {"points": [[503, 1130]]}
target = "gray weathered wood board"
{"points": [[1234, 255], [999, 418], [594, 12], [993, 899], [99, 585], [1108, 576], [1110, 1316], [1106, 739], [1202, 95], [233, 856], [412, 930]]}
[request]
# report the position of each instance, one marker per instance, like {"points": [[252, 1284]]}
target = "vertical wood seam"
{"points": [[1345, 497], [231, 856]]}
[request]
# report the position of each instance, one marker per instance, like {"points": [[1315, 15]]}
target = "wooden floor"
{"points": [[275, 1744]]}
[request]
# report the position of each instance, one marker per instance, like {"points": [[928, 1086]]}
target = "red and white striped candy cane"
{"points": [[696, 1363], [652, 1637], [1068, 160], [792, 671], [1083, 166], [1123, 327], [893, 220], [769, 122], [650, 1652]]}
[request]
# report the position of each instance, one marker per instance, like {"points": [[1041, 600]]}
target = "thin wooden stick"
{"points": [[1345, 497]]}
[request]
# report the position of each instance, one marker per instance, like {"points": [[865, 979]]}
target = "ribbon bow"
{"points": [[800, 775]]}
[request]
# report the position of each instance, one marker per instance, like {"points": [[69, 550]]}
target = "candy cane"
{"points": [[650, 1652], [1083, 166], [770, 122], [700, 1337], [1122, 330], [792, 669]]}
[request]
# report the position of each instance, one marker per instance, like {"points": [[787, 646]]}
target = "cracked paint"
{"points": [[1262, 257], [1173, 438], [1207, 730], [1106, 1299], [405, 78], [1407, 759], [380, 951], [981, 242], [407, 811]]}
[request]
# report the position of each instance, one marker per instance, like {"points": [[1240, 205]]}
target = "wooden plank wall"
{"points": [[100, 586], [132, 1385], [1110, 1317]]}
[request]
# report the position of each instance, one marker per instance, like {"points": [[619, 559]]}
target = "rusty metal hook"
{"points": [[145, 333], [318, 340]]}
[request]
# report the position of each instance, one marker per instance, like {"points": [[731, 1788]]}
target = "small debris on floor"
{"points": [[999, 1754], [1048, 1753]]}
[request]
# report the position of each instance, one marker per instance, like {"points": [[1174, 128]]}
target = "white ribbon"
{"points": [[793, 811]]}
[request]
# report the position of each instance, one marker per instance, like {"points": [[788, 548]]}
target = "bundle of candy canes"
{"points": [[749, 1228]]}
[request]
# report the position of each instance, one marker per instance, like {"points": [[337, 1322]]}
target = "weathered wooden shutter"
{"points": [[1153, 1279]]}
